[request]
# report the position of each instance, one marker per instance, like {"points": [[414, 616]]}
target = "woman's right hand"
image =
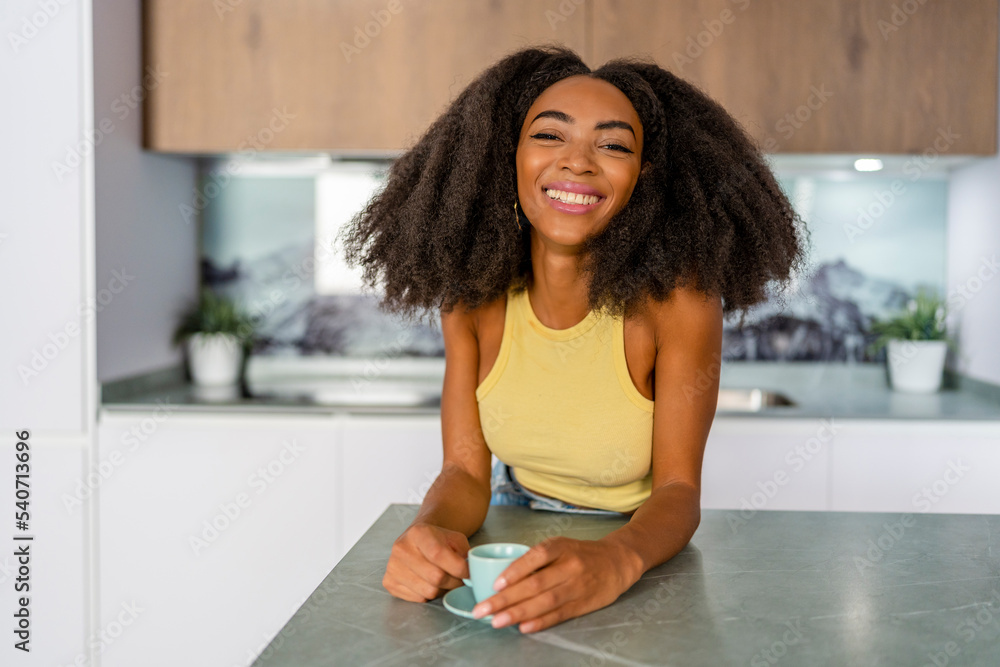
{"points": [[425, 562]]}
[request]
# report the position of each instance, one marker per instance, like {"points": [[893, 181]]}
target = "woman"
{"points": [[583, 234]]}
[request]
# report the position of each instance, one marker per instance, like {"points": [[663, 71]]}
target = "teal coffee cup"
{"points": [[487, 562]]}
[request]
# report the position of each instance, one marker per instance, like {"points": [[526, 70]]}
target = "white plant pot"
{"points": [[215, 359], [916, 366]]}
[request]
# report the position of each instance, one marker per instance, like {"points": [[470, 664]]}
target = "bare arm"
{"points": [[460, 496], [688, 355], [429, 557]]}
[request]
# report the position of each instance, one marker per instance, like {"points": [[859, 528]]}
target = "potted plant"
{"points": [[917, 344], [217, 336]]}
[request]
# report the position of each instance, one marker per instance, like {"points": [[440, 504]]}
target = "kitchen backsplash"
{"points": [[268, 243]]}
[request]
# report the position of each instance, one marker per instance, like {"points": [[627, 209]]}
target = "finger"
{"points": [[397, 588], [458, 542], [408, 593], [536, 607], [546, 621], [526, 589], [403, 575], [430, 572], [443, 556], [429, 589], [536, 558]]}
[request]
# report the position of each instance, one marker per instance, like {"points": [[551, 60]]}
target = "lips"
{"points": [[571, 197]]}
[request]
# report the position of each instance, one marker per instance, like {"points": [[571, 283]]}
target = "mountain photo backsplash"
{"points": [[309, 303]]}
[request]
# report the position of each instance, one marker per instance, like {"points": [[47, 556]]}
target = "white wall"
{"points": [[140, 230], [973, 276], [48, 385]]}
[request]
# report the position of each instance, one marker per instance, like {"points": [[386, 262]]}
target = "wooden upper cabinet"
{"points": [[360, 75], [855, 76]]}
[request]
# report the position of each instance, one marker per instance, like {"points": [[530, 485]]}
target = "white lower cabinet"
{"points": [[213, 531], [917, 467], [906, 466], [753, 464], [385, 460]]}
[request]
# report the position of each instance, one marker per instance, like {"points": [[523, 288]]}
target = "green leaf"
{"points": [[215, 314], [922, 319]]}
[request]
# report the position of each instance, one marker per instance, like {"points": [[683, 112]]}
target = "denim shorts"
{"points": [[507, 491]]}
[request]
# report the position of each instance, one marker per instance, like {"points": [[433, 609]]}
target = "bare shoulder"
{"points": [[686, 312], [482, 319]]}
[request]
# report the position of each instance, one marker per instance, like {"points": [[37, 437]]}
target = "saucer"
{"points": [[460, 602]]}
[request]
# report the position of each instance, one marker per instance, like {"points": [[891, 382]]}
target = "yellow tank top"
{"points": [[560, 409]]}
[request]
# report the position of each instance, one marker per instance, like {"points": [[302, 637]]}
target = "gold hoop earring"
{"points": [[517, 218]]}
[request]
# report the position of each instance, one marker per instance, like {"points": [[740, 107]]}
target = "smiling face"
{"points": [[578, 158]]}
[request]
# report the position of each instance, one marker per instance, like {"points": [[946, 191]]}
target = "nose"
{"points": [[577, 158]]}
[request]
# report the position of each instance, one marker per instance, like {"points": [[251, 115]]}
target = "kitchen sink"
{"points": [[354, 392], [409, 383], [412, 393], [750, 400]]}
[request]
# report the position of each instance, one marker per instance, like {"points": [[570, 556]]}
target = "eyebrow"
{"points": [[603, 125]]}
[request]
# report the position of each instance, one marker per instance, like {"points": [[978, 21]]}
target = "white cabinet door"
{"points": [[917, 467], [768, 464], [217, 528], [388, 459]]}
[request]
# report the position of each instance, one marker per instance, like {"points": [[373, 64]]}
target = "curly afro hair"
{"points": [[706, 210]]}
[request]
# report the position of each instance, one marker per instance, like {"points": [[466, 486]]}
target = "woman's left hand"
{"points": [[559, 579]]}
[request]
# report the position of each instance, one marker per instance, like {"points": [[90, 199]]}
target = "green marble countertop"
{"points": [[845, 391], [788, 588]]}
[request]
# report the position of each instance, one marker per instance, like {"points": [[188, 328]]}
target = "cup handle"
{"points": [[467, 582]]}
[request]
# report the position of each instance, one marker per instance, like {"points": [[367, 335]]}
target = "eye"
{"points": [[618, 147], [545, 136]]}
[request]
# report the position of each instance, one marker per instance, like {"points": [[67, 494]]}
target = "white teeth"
{"points": [[572, 197]]}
